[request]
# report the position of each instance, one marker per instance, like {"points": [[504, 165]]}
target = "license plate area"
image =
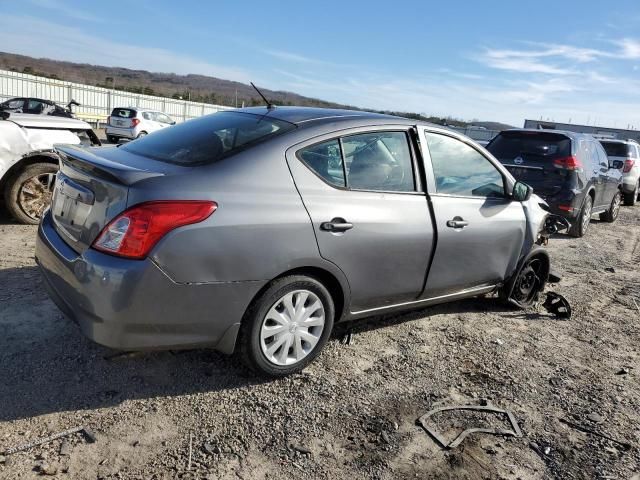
{"points": [[70, 205]]}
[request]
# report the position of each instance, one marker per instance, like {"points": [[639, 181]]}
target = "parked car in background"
{"points": [[38, 106], [131, 122], [28, 161], [569, 170], [628, 152], [256, 229]]}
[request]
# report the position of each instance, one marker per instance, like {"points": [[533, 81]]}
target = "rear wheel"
{"points": [[581, 224], [611, 214], [287, 326], [28, 193], [141, 134], [112, 139], [630, 199]]}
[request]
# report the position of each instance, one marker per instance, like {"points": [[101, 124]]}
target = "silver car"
{"points": [[133, 122], [627, 151], [256, 230]]}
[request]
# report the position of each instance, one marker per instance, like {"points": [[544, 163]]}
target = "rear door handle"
{"points": [[457, 222], [336, 225]]}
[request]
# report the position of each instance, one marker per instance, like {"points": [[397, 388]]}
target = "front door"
{"points": [[480, 229], [368, 215]]}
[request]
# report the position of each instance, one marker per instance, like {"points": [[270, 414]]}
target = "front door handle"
{"points": [[336, 225], [457, 222]]}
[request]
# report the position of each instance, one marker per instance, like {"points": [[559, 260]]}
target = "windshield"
{"points": [[617, 149], [509, 145], [207, 139]]}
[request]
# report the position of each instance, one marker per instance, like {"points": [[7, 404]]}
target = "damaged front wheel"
{"points": [[524, 289]]}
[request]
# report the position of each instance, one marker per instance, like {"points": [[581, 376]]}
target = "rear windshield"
{"points": [[617, 149], [123, 113], [207, 139], [513, 144]]}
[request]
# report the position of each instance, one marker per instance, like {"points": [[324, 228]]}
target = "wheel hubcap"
{"points": [[616, 205], [292, 327], [586, 217], [35, 194], [528, 282]]}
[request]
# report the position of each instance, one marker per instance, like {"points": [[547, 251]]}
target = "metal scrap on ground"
{"points": [[558, 305], [516, 432], [88, 434]]}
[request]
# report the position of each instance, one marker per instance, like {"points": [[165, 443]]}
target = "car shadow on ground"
{"points": [[47, 365]]}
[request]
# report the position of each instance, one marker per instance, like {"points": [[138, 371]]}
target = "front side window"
{"points": [[162, 118], [461, 170], [16, 103], [325, 160]]}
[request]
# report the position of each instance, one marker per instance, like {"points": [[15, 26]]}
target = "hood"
{"points": [[29, 120]]}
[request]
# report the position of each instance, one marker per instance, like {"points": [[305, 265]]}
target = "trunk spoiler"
{"points": [[87, 161]]}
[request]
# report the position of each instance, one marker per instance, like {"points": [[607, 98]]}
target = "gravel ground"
{"points": [[352, 414]]}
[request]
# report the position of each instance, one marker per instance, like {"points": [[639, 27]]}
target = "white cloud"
{"points": [[66, 10]]}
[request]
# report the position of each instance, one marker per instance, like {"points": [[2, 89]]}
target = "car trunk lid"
{"points": [[91, 188], [122, 117], [534, 158]]}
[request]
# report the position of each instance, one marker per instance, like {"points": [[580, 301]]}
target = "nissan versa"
{"points": [[256, 230]]}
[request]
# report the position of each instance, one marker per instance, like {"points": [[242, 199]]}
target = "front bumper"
{"points": [[132, 305]]}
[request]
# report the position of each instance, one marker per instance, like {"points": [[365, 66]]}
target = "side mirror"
{"points": [[617, 164], [521, 192]]}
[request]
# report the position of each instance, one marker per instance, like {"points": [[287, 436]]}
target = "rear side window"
{"points": [[509, 145], [207, 139], [377, 161], [123, 113], [618, 149]]}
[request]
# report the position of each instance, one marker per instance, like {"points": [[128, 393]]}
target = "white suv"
{"points": [[132, 122], [627, 151]]}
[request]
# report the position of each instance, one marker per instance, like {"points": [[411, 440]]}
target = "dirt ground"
{"points": [[353, 413]]}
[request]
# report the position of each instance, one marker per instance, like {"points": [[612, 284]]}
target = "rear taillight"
{"points": [[135, 121], [628, 165], [568, 163], [134, 232]]}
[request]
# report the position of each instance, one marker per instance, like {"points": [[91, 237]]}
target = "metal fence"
{"points": [[96, 102]]}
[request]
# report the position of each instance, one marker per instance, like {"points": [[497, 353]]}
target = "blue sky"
{"points": [[491, 60]]}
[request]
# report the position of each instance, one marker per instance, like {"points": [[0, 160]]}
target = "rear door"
{"points": [[529, 156], [480, 230], [368, 213]]}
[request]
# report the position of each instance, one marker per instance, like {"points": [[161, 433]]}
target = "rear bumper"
{"points": [[133, 305], [629, 182], [121, 132], [567, 204]]}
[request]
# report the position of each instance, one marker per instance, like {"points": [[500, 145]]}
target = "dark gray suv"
{"points": [[569, 170], [255, 230]]}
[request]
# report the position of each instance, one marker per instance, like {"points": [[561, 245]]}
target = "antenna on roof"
{"points": [[269, 104]]}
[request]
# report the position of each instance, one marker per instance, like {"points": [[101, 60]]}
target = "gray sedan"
{"points": [[256, 230]]}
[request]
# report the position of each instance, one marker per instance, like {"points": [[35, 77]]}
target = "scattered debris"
{"points": [[595, 418], [625, 445], [481, 408], [88, 434], [301, 449], [498, 341], [558, 305], [347, 338], [190, 450], [636, 304], [121, 355], [65, 449], [610, 269], [623, 371], [3, 459]]}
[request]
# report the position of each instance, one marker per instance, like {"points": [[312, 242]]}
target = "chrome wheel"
{"points": [[615, 208], [586, 214], [35, 194], [292, 327]]}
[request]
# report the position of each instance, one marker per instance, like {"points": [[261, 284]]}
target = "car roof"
{"points": [[300, 115], [34, 120], [566, 133], [617, 140]]}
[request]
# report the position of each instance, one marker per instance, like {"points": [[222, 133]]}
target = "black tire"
{"points": [[249, 341], [630, 199], [524, 288], [611, 215], [141, 134], [112, 139], [25, 204], [580, 225]]}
